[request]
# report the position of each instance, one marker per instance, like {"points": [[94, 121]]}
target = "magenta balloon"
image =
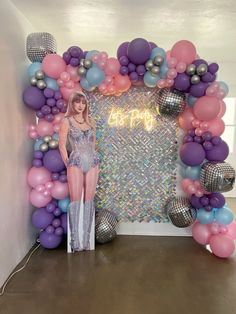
{"points": [[49, 241], [192, 154], [34, 97], [139, 51], [122, 50]]}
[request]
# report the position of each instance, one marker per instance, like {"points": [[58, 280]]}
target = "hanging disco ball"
{"points": [[105, 225], [170, 102]]}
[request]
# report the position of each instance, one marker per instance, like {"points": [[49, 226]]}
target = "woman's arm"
{"points": [[63, 139]]}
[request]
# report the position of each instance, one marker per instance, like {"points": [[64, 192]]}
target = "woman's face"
{"points": [[80, 104]]}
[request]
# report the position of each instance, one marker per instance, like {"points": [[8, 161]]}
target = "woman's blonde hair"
{"points": [[71, 110]]}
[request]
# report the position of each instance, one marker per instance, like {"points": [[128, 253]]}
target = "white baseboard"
{"points": [[152, 229]]}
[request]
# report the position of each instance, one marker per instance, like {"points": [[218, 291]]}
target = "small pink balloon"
{"points": [[112, 67], [206, 108], [53, 65], [172, 73], [58, 118], [214, 228], [201, 233], [66, 92], [70, 84], [216, 126], [215, 85], [44, 128], [199, 131], [222, 109], [172, 62], [204, 126], [38, 176], [195, 123], [108, 80], [33, 134], [49, 185], [37, 199], [102, 64], [102, 87], [111, 89], [56, 128], [185, 119], [181, 67], [40, 188], [169, 82], [210, 91], [185, 183], [191, 189], [221, 94], [60, 82], [60, 190], [222, 246], [95, 58], [223, 229], [65, 77], [122, 82], [161, 83], [232, 230], [199, 193], [103, 55], [46, 193], [184, 51], [73, 73], [32, 127]]}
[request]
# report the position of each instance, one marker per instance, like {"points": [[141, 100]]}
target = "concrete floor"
{"points": [[131, 275]]}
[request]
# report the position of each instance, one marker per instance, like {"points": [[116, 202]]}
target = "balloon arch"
{"points": [[187, 88]]}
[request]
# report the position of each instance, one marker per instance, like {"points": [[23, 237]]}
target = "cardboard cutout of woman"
{"points": [[79, 131]]}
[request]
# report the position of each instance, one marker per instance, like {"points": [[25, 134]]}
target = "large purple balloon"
{"points": [[217, 200], [195, 201], [192, 154], [198, 90], [218, 153], [49, 241], [34, 97], [52, 161], [122, 50], [139, 51], [64, 222], [182, 82], [41, 218]]}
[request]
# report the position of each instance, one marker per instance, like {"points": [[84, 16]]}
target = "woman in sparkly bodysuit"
{"points": [[78, 130]]}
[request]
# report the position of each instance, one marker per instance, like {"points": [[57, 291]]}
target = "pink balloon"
{"points": [[216, 126], [161, 83], [214, 228], [199, 131], [112, 67], [232, 230], [206, 108], [169, 82], [172, 62], [221, 94], [58, 117], [185, 183], [60, 82], [103, 55], [222, 109], [102, 64], [102, 87], [184, 51], [65, 77], [32, 127], [210, 91], [199, 193], [38, 176], [186, 118], [49, 185], [172, 73], [33, 134], [222, 246], [201, 233], [73, 73], [122, 82], [53, 65], [56, 128], [66, 92], [191, 189], [37, 199], [70, 84], [40, 188], [181, 67], [168, 55], [44, 128], [60, 190], [95, 58]]}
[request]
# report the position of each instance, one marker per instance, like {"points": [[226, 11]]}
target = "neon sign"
{"points": [[132, 118]]}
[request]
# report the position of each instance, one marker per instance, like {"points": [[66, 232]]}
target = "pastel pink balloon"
{"points": [[102, 64], [60, 190], [161, 83], [103, 55], [108, 80], [184, 51], [172, 73], [58, 117], [38, 176], [181, 67], [102, 87], [186, 118], [232, 230], [122, 82], [56, 128], [111, 89], [33, 134], [95, 58], [221, 94], [214, 228], [53, 65], [222, 245], [191, 189], [197, 184], [168, 55], [215, 85], [169, 82], [49, 185], [199, 193], [222, 109], [216, 126], [40, 188], [37, 199], [201, 233], [210, 91], [195, 123], [73, 73], [66, 92], [60, 82], [204, 126], [64, 76], [44, 128], [172, 62], [199, 131], [46, 193], [223, 229], [185, 183], [70, 84], [206, 108], [112, 67], [32, 127]]}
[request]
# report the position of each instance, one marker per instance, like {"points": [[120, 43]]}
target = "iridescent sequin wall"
{"points": [[138, 154]]}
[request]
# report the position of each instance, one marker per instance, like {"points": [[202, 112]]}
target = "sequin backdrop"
{"points": [[138, 167]]}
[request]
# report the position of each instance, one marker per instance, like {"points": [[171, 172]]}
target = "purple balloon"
{"points": [[49, 92], [133, 76], [139, 51], [124, 60], [41, 218], [197, 139], [152, 45], [34, 97], [50, 207], [38, 154], [56, 222], [74, 62], [195, 201], [64, 109], [63, 172], [55, 176], [207, 136], [204, 200], [51, 102], [66, 57], [182, 82], [187, 138], [49, 241], [59, 231], [207, 145], [50, 229], [217, 199], [213, 68], [199, 61], [208, 208], [60, 103], [37, 163], [46, 109], [39, 114], [64, 222], [218, 153], [124, 70], [191, 132], [55, 110], [198, 90], [49, 117], [122, 50], [141, 70], [75, 51], [131, 67], [63, 178], [192, 154], [52, 161], [57, 212], [57, 95], [207, 77], [216, 140]]}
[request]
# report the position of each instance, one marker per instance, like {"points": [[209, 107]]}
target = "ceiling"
{"points": [[104, 24]]}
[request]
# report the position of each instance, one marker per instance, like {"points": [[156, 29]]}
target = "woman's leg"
{"points": [[91, 179], [75, 179]]}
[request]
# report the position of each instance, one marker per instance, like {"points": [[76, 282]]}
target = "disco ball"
{"points": [[105, 225], [170, 102]]}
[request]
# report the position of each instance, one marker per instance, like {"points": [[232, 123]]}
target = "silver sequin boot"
{"points": [[89, 211], [74, 211]]}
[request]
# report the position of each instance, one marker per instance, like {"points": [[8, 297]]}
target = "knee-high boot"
{"points": [[89, 211], [74, 211]]}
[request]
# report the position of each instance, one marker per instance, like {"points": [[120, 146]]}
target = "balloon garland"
{"points": [[186, 88]]}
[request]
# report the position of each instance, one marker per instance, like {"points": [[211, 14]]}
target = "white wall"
{"points": [[16, 233]]}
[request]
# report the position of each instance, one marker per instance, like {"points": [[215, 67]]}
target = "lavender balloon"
{"points": [[52, 161], [182, 82], [218, 153], [195, 201], [139, 51], [198, 90], [34, 97], [49, 241], [49, 92], [41, 218], [122, 50], [37, 163], [192, 154]]}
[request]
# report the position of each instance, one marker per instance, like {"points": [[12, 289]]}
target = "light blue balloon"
{"points": [[63, 204], [51, 83], [205, 217], [193, 172], [182, 171], [224, 216], [224, 86], [157, 51], [163, 70], [95, 76], [37, 144], [85, 85], [55, 136], [191, 100], [35, 66], [91, 53], [150, 80]]}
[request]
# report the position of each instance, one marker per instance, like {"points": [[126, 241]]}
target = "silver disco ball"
{"points": [[217, 177], [180, 212], [105, 226], [170, 102], [38, 45]]}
